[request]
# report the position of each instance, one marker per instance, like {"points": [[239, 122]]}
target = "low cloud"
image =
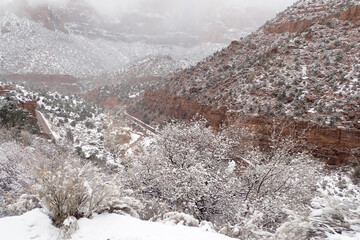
{"points": [[115, 8], [190, 17]]}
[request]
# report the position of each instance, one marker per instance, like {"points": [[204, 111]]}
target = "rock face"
{"points": [[50, 19], [2, 91], [352, 15], [333, 145], [182, 108], [291, 27], [30, 107]]}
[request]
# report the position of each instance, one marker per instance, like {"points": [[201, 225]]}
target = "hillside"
{"points": [[302, 66], [72, 48], [65, 49]]}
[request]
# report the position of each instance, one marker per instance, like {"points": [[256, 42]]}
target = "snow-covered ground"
{"points": [[37, 225]]}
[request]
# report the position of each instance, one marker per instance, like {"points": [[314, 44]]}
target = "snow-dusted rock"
{"points": [[69, 227]]}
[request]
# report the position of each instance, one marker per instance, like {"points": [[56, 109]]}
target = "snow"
{"points": [[134, 138], [342, 237], [37, 225], [304, 73], [32, 225]]}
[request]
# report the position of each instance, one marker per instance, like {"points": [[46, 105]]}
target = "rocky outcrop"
{"points": [[30, 107], [292, 27], [352, 15], [182, 108], [50, 19], [333, 145], [2, 91]]}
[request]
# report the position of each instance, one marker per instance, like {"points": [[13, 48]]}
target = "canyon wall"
{"points": [[333, 145]]}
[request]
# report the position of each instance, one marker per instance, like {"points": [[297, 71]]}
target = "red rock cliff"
{"points": [[30, 107], [182, 108], [335, 146]]}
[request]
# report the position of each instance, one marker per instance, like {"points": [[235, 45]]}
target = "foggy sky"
{"points": [[115, 8], [179, 7], [219, 21]]}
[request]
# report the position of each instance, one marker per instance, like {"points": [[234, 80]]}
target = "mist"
{"points": [[217, 21], [184, 7], [114, 8]]}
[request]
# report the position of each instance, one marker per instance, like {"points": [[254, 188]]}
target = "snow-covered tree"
{"points": [[14, 173], [187, 168], [333, 212], [274, 180]]}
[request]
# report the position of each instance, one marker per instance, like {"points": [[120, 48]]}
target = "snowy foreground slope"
{"points": [[37, 225]]}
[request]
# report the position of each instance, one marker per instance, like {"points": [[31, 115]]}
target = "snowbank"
{"points": [[36, 225]]}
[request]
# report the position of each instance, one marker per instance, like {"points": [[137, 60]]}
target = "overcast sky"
{"points": [[173, 6], [114, 7], [210, 20]]}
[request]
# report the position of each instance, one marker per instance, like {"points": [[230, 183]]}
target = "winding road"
{"points": [[43, 124], [140, 123]]}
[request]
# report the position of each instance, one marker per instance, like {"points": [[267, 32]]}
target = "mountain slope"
{"points": [[303, 66], [69, 43]]}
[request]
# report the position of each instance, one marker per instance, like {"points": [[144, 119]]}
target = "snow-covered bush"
{"points": [[274, 180], [123, 206], [187, 168], [272, 188], [15, 177], [176, 218], [67, 187], [13, 167], [333, 213]]}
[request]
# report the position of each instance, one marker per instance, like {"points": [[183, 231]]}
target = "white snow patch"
{"points": [[37, 225], [32, 225], [304, 73]]}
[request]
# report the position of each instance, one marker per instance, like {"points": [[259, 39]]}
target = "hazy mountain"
{"points": [[74, 41]]}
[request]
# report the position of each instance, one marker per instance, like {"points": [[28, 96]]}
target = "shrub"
{"points": [[11, 115], [176, 218], [90, 125], [357, 172], [186, 168], [66, 187], [14, 174]]}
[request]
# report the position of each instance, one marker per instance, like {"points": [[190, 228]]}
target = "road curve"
{"points": [[43, 124], [140, 123]]}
